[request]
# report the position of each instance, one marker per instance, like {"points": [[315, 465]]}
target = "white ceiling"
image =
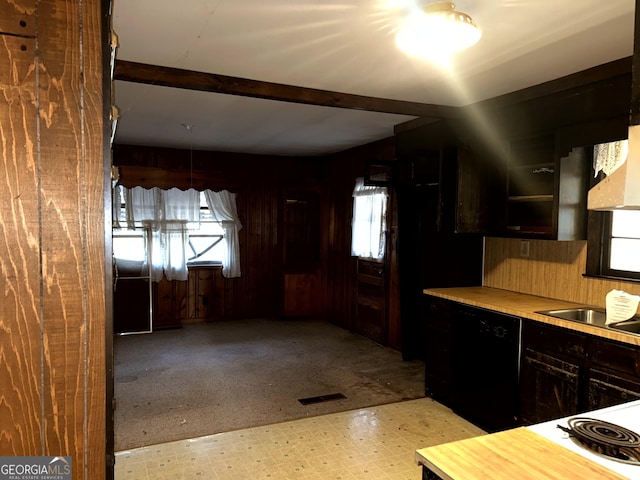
{"points": [[344, 47]]}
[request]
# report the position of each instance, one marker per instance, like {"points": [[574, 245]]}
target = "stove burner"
{"points": [[607, 439]]}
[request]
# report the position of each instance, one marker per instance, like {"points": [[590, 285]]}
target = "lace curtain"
{"points": [[223, 208], [609, 156], [368, 224], [168, 214]]}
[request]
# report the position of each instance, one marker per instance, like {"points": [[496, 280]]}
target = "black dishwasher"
{"points": [[485, 365]]}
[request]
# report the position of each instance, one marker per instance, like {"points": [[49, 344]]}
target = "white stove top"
{"points": [[626, 415]]}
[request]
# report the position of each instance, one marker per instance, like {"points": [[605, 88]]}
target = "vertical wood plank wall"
{"points": [[258, 181], [553, 269], [52, 236], [343, 168]]}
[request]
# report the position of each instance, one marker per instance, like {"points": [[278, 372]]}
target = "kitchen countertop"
{"points": [[525, 306], [513, 454], [537, 452]]}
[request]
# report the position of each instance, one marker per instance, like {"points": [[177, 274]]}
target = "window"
{"points": [[622, 248], [185, 228], [613, 247], [369, 221], [130, 249], [130, 245], [206, 240]]}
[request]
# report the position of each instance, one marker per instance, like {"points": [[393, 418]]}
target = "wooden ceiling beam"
{"points": [[211, 82]]}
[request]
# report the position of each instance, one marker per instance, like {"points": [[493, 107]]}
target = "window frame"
{"points": [[599, 249], [193, 260], [384, 194]]}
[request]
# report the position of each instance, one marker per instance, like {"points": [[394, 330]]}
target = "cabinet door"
{"points": [[480, 193], [614, 377], [555, 341], [546, 193], [605, 390], [548, 388], [437, 353], [531, 187], [615, 357]]}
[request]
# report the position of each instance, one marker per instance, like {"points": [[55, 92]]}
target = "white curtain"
{"points": [[168, 250], [116, 205], [165, 213], [368, 223], [607, 157], [223, 208]]}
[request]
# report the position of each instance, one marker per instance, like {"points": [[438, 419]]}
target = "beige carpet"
{"points": [[218, 377]]}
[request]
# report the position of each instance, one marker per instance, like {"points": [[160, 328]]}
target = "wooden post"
{"points": [[52, 233]]}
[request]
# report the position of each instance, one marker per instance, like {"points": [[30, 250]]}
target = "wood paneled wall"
{"points": [[553, 269], [343, 168], [206, 295], [52, 233], [259, 182]]}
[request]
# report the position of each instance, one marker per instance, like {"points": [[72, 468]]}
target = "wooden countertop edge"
{"points": [[517, 453], [524, 305]]}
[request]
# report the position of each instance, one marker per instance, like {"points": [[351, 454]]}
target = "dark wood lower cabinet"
{"points": [[548, 387], [551, 366], [614, 374], [564, 373], [605, 389], [437, 354]]}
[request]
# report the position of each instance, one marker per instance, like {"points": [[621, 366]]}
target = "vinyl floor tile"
{"points": [[371, 443]]}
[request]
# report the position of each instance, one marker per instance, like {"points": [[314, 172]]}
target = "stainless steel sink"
{"points": [[592, 316], [631, 326]]}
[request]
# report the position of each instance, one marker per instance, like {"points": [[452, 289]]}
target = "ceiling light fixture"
{"points": [[437, 31]]}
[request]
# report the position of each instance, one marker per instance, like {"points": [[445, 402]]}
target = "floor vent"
{"points": [[321, 398]]}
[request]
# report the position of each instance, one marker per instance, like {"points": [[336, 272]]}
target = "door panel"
{"points": [[370, 318]]}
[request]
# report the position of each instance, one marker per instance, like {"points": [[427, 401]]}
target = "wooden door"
{"points": [[370, 318], [301, 297], [301, 253]]}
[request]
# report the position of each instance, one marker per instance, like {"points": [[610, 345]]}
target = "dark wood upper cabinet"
{"points": [[546, 194], [480, 189], [431, 251], [463, 180]]}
